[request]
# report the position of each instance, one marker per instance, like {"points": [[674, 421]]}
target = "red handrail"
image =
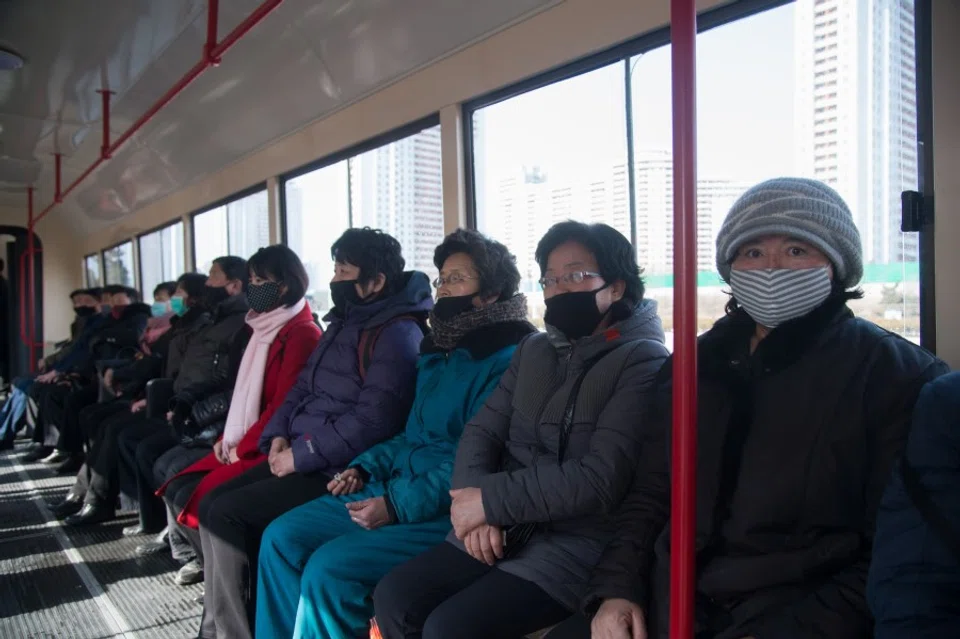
{"points": [[212, 53], [683, 37]]}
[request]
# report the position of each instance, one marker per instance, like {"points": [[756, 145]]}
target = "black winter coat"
{"points": [[796, 442]]}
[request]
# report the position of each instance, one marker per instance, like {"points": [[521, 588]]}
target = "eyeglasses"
{"points": [[575, 277], [453, 278]]}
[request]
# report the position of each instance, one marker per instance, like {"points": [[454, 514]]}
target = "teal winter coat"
{"points": [[416, 465]]}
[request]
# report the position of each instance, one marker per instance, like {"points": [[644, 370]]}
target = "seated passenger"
{"points": [[205, 379], [354, 392], [284, 336], [96, 487], [914, 582], [119, 336], [320, 562], [545, 460], [77, 353], [96, 479], [803, 409], [14, 412]]}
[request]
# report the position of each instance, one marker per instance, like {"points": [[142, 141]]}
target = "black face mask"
{"points": [[214, 295], [85, 311], [574, 314], [263, 298], [446, 308], [344, 294]]}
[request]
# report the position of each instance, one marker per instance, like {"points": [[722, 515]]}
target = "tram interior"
{"points": [[134, 148]]}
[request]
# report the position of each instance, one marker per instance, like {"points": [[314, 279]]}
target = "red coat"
{"points": [[288, 355]]}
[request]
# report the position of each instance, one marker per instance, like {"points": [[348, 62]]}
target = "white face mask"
{"points": [[774, 296]]}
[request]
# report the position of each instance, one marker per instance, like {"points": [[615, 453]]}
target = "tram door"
{"points": [[14, 318]]}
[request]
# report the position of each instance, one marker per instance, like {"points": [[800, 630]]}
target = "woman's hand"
{"points": [[108, 378], [466, 511], [221, 453], [277, 446], [485, 544], [233, 457], [138, 406], [369, 513], [618, 619], [281, 464], [346, 483]]}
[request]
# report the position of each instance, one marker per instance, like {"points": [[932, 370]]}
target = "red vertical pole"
{"points": [[683, 35], [105, 144], [213, 13], [58, 159], [31, 285]]}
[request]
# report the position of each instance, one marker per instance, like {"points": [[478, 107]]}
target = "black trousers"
{"points": [[44, 433], [97, 422], [576, 627], [447, 593], [139, 451], [233, 517], [65, 409], [105, 482]]}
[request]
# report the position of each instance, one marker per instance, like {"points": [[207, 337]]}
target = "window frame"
{"points": [[86, 280], [239, 195], [712, 18], [140, 237], [136, 266]]}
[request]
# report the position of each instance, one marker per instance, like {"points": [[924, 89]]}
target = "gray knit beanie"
{"points": [[800, 208]]}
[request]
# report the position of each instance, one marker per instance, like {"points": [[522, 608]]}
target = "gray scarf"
{"points": [[447, 335]]}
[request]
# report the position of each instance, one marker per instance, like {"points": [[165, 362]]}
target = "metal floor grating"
{"points": [[96, 589]]}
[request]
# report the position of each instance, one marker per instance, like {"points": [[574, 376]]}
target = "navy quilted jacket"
{"points": [[330, 415]]}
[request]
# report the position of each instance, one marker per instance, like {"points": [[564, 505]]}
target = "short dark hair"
{"points": [[616, 258], [495, 263], [193, 284], [235, 268], [95, 291], [165, 287], [81, 291], [373, 252], [111, 289], [132, 293], [281, 264]]}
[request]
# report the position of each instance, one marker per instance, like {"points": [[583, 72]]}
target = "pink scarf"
{"points": [[248, 391], [156, 328]]}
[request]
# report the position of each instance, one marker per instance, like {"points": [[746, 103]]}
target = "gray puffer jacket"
{"points": [[509, 449]]}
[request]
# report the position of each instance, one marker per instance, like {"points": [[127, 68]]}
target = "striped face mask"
{"points": [[774, 296]]}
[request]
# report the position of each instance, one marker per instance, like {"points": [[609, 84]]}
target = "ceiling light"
{"points": [[9, 61]]}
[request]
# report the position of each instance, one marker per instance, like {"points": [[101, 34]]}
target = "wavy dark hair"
{"points": [[494, 262]]}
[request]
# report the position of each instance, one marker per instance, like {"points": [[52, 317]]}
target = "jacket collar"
{"points": [[305, 316], [729, 338], [233, 305], [486, 340]]}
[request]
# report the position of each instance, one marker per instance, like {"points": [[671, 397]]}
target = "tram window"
{"points": [[771, 57], [396, 187], [161, 257], [91, 268], [240, 228], [317, 213], [548, 155], [118, 266], [559, 151]]}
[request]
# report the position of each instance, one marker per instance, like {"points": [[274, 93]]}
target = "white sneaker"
{"points": [[55, 457]]}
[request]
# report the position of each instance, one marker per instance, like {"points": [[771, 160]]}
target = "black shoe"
{"points": [[70, 505], [38, 453], [73, 464], [90, 514]]}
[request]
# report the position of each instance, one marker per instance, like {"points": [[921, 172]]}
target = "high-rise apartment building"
{"points": [[856, 112], [398, 188]]}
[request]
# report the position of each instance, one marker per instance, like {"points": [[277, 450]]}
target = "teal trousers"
{"points": [[318, 569]]}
